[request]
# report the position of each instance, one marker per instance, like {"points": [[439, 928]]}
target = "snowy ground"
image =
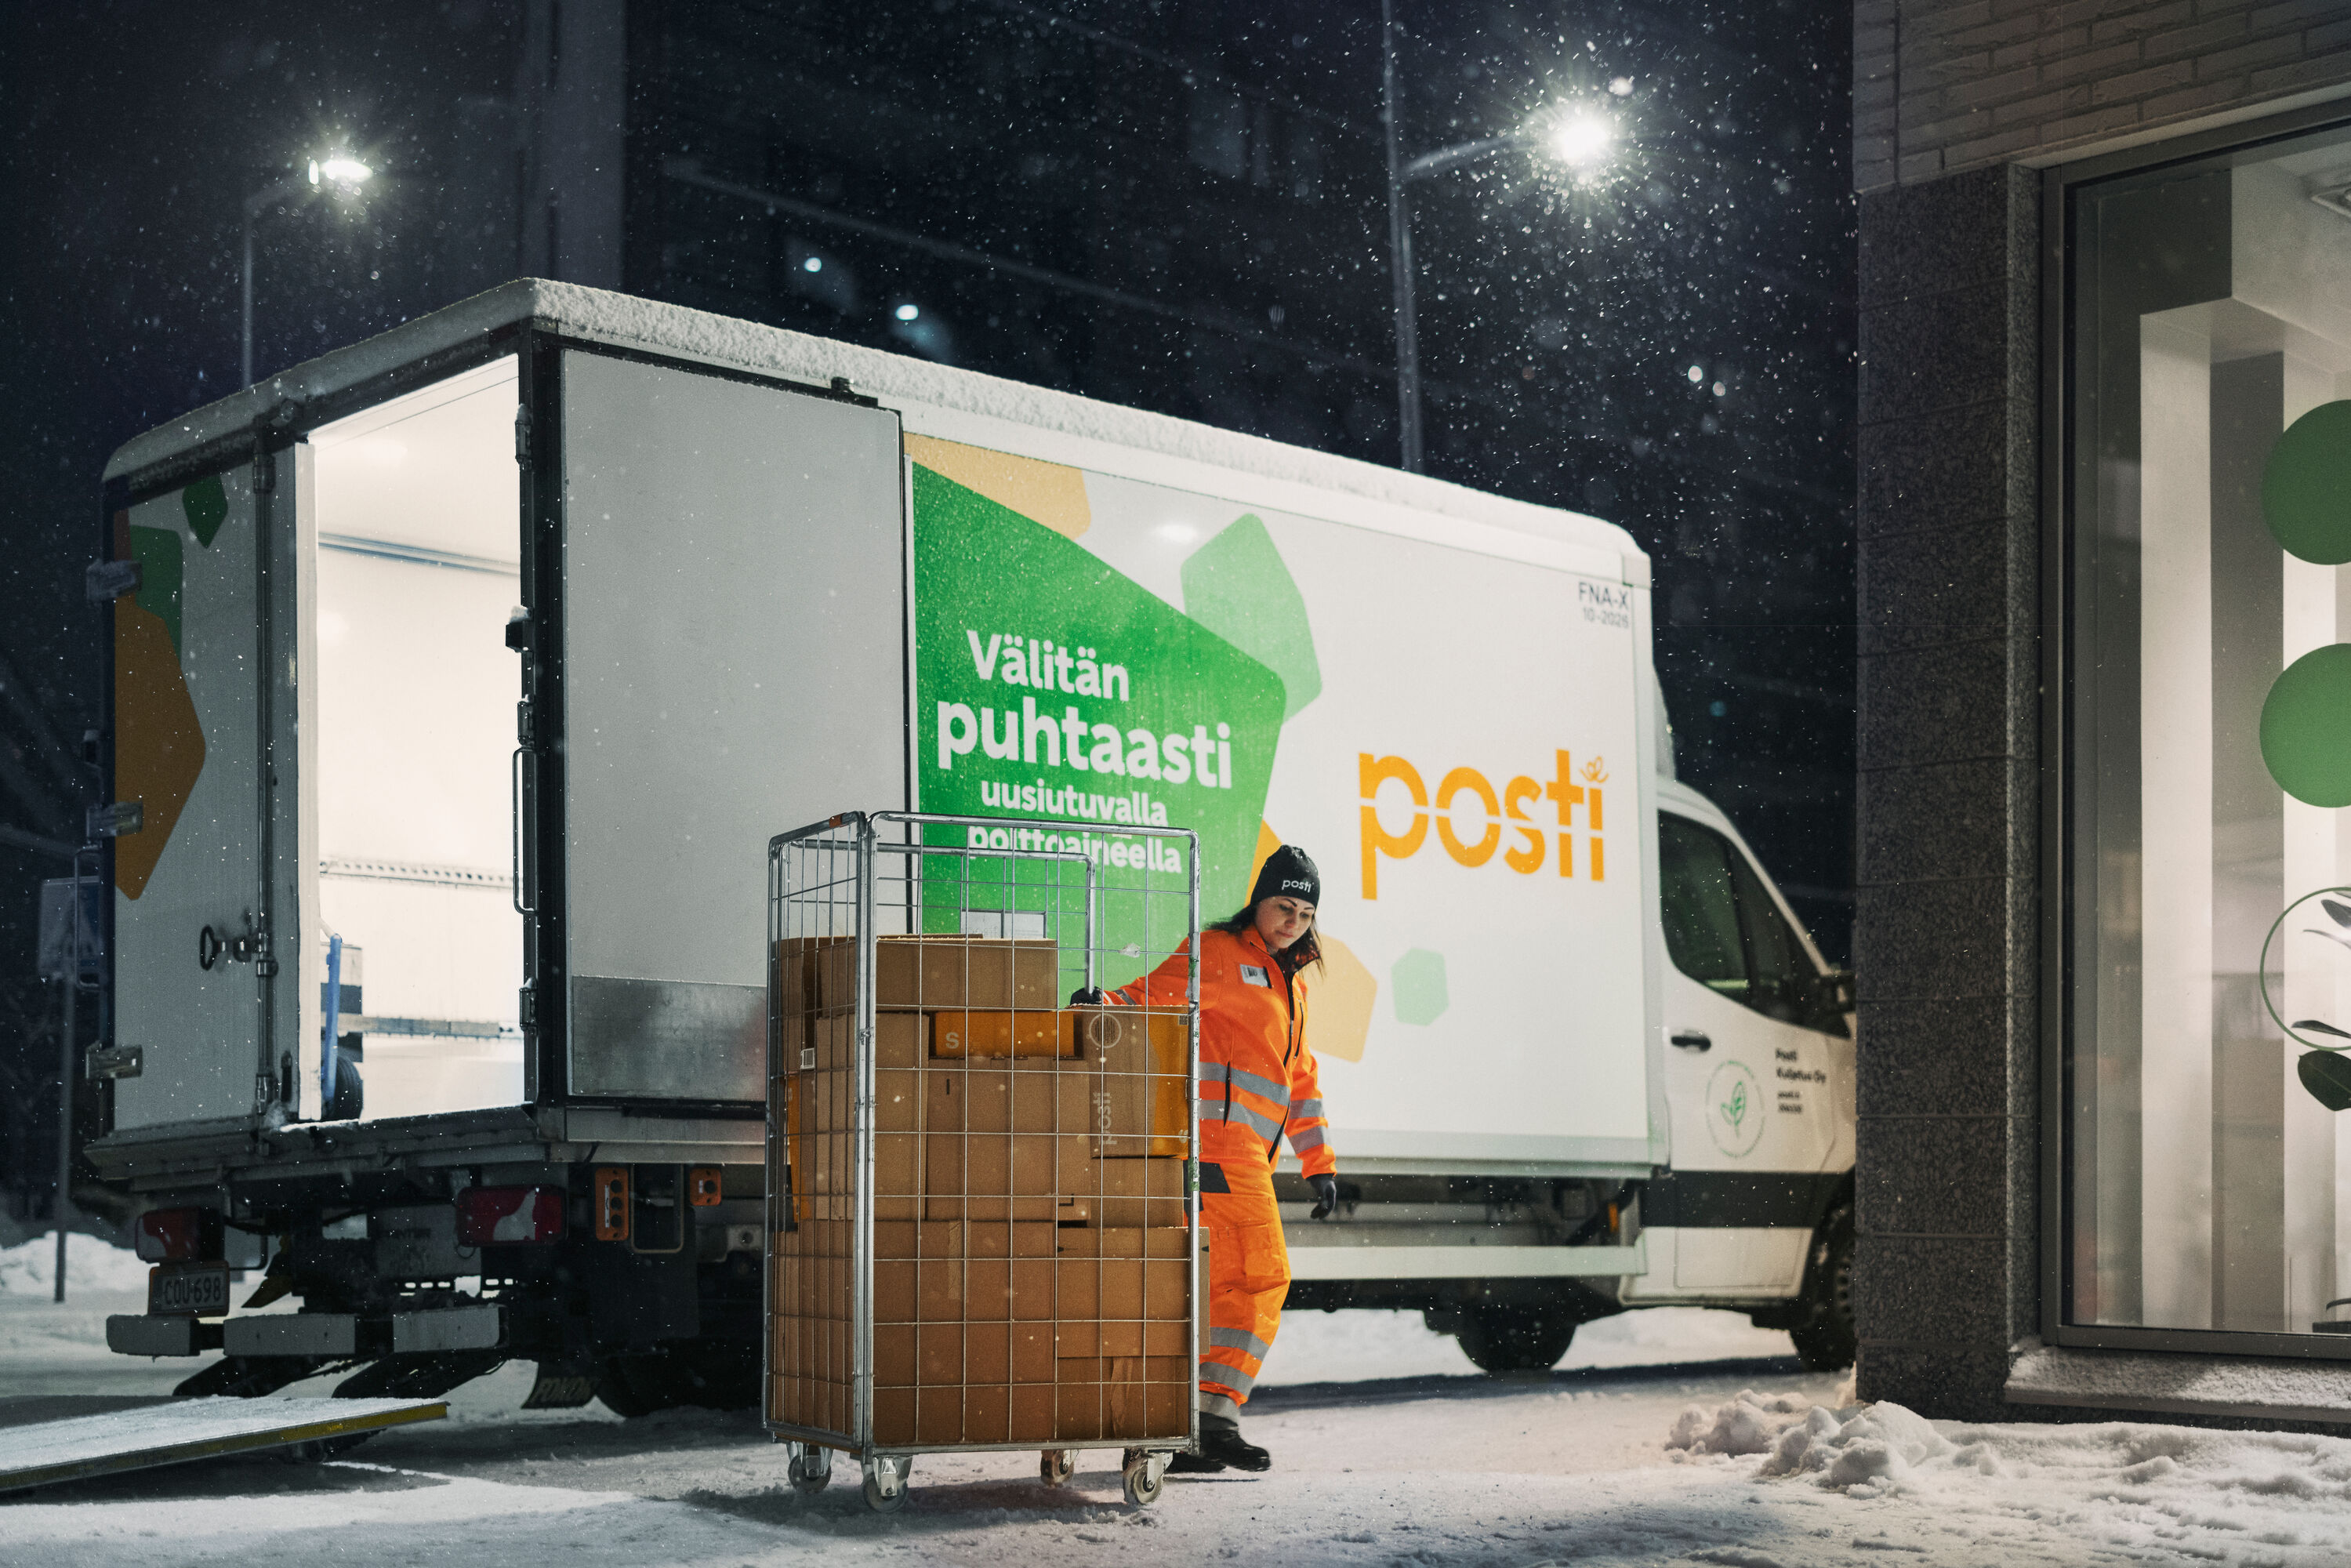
{"points": [[1644, 1448]]}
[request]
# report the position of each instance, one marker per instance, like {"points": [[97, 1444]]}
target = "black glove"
{"points": [[1089, 997], [1326, 1195]]}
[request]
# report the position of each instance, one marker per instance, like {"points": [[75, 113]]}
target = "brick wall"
{"points": [[1943, 86]]}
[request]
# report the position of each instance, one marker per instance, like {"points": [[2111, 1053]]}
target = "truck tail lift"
{"points": [[39, 1453]]}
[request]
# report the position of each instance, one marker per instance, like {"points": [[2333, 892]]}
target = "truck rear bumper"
{"points": [[331, 1334], [127, 1334]]}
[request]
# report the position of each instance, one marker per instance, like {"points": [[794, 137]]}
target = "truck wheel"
{"points": [[1827, 1341], [1515, 1339], [634, 1385]]}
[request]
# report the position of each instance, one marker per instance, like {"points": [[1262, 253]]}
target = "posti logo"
{"points": [[1525, 824]]}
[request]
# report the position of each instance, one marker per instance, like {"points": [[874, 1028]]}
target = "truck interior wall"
{"points": [[418, 570]]}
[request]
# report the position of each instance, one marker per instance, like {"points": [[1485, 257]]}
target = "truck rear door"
{"points": [[732, 664], [202, 651]]}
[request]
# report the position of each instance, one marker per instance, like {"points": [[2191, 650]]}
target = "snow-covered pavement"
{"points": [[1643, 1449]]}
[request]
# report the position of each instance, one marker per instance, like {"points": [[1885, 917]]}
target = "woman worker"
{"points": [[1256, 1081]]}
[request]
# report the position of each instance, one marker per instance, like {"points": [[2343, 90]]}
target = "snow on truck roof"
{"points": [[626, 321]]}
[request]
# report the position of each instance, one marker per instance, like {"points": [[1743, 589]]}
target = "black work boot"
{"points": [[1222, 1443], [1184, 1462]]}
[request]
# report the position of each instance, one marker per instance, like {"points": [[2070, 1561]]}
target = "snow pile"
{"points": [[1750, 1423], [91, 1265], [1869, 1451], [2142, 1491]]}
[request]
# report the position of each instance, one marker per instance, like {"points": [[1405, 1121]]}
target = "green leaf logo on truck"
{"points": [[1732, 1098]]}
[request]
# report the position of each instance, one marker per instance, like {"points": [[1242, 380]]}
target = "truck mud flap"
{"points": [[425, 1376]]}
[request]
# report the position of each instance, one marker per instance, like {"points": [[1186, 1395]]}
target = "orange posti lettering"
{"points": [[1569, 794], [1473, 835], [1371, 773]]}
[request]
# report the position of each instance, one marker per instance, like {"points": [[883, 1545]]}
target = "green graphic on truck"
{"points": [[1050, 686]]}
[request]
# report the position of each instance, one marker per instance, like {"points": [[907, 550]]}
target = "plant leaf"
{"points": [[2339, 913], [2320, 1026], [2330, 935], [2327, 1077]]}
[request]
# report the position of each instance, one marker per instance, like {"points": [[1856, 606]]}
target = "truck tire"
{"points": [[1826, 1340], [1515, 1339], [713, 1375], [630, 1387]]}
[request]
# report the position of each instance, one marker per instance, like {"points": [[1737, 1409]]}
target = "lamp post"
{"points": [[1579, 139], [340, 170]]}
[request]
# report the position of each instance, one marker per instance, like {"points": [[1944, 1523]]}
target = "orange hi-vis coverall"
{"points": [[1256, 1081]]}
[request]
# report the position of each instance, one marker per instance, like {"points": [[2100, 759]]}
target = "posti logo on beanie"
{"points": [[1473, 818]]}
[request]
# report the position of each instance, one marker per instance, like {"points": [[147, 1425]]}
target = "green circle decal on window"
{"points": [[2306, 488], [2306, 727]]}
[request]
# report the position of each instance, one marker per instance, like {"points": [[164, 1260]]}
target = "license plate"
{"points": [[188, 1289]]}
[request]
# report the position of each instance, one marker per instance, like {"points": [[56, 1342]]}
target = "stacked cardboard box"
{"points": [[1030, 1217]]}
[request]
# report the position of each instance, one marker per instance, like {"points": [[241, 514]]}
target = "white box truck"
{"points": [[460, 677]]}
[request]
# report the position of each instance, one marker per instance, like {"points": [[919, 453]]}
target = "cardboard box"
{"points": [[893, 1355], [936, 972], [1032, 1352], [1148, 1193], [986, 1414], [894, 1416], [1020, 1177], [966, 1032], [791, 974], [1125, 1115], [1032, 1413], [991, 1099], [897, 1100], [986, 1353], [1122, 1241], [902, 1041]]}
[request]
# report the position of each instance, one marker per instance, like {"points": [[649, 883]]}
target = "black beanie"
{"points": [[1288, 874]]}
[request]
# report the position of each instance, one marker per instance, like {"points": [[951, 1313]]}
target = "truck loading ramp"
{"points": [[45, 1440]]}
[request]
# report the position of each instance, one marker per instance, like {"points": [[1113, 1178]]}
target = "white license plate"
{"points": [[188, 1289]]}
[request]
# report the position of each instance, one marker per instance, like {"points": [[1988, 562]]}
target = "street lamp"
{"points": [[344, 172], [1579, 139]]}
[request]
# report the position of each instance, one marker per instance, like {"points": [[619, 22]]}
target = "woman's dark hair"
{"points": [[1307, 949]]}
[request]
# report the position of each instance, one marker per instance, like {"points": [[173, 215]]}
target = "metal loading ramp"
{"points": [[43, 1452]]}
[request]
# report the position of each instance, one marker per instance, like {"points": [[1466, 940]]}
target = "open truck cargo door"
{"points": [[729, 578], [206, 927]]}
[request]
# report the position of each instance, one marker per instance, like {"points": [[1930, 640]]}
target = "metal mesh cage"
{"points": [[981, 1231]]}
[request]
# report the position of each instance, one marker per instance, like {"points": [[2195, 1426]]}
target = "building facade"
{"points": [[2105, 505]]}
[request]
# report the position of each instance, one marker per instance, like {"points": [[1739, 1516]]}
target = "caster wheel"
{"points": [[1055, 1466], [886, 1483], [810, 1466], [1145, 1475]]}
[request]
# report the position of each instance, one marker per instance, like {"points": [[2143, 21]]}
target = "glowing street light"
{"points": [[337, 170], [1580, 139], [341, 169]]}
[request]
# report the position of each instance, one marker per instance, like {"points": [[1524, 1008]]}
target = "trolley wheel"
{"points": [[1055, 1466], [1145, 1475], [810, 1466], [886, 1482]]}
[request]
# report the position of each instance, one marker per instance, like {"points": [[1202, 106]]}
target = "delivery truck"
{"points": [[460, 678]]}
